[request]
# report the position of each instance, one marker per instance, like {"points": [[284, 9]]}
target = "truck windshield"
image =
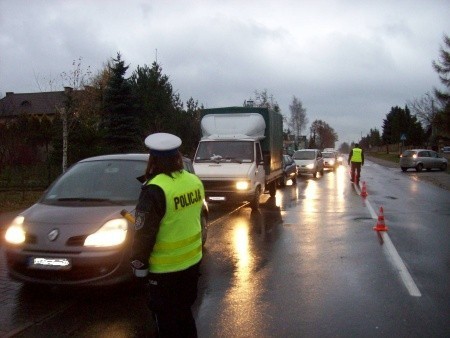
{"points": [[225, 151]]}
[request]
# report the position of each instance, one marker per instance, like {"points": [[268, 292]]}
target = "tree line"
{"points": [[102, 114], [424, 121]]}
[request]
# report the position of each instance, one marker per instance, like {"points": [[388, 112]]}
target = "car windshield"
{"points": [[304, 155], [328, 155], [224, 151], [111, 181]]}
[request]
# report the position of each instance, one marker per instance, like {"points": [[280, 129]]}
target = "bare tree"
{"points": [[263, 99], [73, 82], [425, 110], [298, 119]]}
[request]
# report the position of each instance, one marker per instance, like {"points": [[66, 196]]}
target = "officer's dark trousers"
{"points": [[356, 167], [170, 297]]}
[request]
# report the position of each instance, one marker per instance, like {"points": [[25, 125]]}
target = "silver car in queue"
{"points": [[420, 159]]}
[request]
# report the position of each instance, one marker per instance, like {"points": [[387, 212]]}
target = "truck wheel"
{"points": [[273, 189], [283, 181], [254, 204]]}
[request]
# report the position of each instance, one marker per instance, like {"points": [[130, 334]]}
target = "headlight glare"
{"points": [[15, 234], [111, 233], [310, 166], [242, 185]]}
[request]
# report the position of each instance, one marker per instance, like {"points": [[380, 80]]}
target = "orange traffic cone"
{"points": [[364, 189], [380, 224]]}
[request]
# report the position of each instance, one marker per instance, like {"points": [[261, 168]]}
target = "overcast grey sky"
{"points": [[348, 61]]}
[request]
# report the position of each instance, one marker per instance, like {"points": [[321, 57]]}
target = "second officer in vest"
{"points": [[356, 159], [167, 247]]}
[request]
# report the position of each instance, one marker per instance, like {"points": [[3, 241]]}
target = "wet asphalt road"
{"points": [[309, 264]]}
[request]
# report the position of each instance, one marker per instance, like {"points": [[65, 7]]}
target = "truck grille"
{"points": [[219, 185]]}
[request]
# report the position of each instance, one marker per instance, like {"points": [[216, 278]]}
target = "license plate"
{"points": [[47, 263], [217, 198]]}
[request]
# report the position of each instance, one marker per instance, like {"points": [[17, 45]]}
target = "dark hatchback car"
{"points": [[75, 234], [289, 170]]}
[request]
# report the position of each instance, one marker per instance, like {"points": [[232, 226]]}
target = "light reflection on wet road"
{"points": [[314, 266]]}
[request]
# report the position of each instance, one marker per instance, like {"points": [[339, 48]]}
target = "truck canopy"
{"points": [[233, 126]]}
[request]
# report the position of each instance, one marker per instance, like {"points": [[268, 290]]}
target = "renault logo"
{"points": [[53, 235]]}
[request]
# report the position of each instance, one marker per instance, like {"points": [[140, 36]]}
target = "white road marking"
{"points": [[391, 252]]}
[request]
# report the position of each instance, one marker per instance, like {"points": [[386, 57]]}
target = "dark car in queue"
{"points": [[289, 170], [75, 234]]}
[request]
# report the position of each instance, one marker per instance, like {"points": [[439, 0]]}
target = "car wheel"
{"points": [[443, 167], [404, 169], [294, 179], [254, 204], [315, 174], [321, 172], [419, 167]]}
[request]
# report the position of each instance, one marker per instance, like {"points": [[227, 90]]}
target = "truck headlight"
{"points": [[15, 234], [242, 185], [111, 233]]}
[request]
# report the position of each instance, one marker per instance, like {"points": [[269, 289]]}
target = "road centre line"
{"points": [[392, 253]]}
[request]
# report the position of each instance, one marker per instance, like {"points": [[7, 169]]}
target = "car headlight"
{"points": [[111, 233], [242, 185], [331, 162], [15, 234], [310, 166]]}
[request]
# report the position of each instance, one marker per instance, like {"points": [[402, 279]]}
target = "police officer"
{"points": [[167, 246], [356, 158]]}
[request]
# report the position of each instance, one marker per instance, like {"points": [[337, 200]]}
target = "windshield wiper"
{"points": [[83, 199]]}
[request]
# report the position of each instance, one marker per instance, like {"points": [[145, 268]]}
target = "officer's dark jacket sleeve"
{"points": [[362, 157], [150, 210], [350, 156]]}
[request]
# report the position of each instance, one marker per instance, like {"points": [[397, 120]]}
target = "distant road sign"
{"points": [[403, 137]]}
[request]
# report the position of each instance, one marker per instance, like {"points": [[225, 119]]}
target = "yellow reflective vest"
{"points": [[356, 155], [178, 243]]}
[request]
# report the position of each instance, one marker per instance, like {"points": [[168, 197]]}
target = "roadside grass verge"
{"points": [[391, 157]]}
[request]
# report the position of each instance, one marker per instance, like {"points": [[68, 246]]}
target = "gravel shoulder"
{"points": [[437, 178]]}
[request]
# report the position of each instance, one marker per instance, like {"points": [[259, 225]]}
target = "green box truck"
{"points": [[239, 156]]}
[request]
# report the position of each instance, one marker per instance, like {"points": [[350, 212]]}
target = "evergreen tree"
{"points": [[398, 123], [155, 101], [442, 67], [119, 116]]}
